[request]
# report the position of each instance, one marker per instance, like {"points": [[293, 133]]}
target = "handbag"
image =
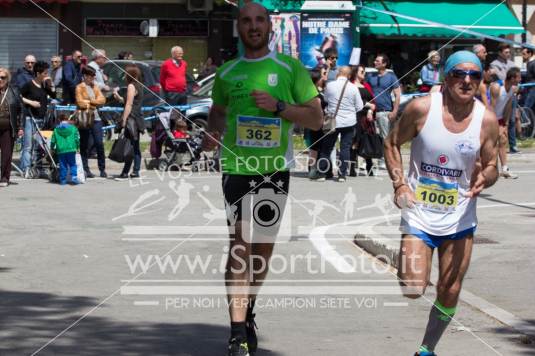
{"points": [[370, 142], [329, 121], [122, 150], [85, 119], [131, 128]]}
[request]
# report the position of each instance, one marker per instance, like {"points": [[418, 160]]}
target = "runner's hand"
{"points": [[211, 141], [477, 182], [404, 197], [264, 100]]}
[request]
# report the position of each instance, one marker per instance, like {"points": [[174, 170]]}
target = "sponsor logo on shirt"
{"points": [[441, 171], [464, 147], [273, 79], [239, 77], [443, 160]]}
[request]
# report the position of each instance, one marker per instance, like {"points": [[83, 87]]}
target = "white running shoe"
{"points": [[508, 174]]}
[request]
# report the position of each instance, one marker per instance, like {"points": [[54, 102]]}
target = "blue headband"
{"points": [[461, 57]]}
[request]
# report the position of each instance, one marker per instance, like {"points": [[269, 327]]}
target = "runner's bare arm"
{"points": [[406, 129], [216, 126], [486, 173], [307, 115]]}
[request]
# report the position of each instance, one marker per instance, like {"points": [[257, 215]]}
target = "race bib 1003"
{"points": [[436, 195], [263, 132]]}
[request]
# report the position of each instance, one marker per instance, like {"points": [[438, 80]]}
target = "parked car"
{"points": [[115, 70], [201, 102]]}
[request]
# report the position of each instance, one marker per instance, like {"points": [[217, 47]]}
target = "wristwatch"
{"points": [[281, 106]]}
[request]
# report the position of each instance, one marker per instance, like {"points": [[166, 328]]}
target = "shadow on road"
{"points": [[30, 320], [526, 342]]}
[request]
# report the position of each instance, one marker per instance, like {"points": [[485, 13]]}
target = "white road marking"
{"points": [[146, 303], [394, 304]]}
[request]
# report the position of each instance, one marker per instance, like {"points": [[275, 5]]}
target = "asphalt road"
{"points": [[84, 271]]}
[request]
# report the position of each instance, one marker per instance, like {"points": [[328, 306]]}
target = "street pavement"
{"points": [[84, 272]]}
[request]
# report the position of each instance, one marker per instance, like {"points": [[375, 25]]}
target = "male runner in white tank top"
{"points": [[501, 100], [453, 157]]}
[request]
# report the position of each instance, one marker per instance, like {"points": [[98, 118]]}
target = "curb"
{"points": [[379, 250]]}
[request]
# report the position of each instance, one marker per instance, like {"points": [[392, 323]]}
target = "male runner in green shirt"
{"points": [[256, 100]]}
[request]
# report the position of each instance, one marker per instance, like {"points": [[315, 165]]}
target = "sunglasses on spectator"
{"points": [[3, 77], [461, 74], [333, 57], [30, 62]]}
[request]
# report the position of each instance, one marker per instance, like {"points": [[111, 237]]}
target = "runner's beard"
{"points": [[264, 41]]}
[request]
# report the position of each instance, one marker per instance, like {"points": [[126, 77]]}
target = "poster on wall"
{"points": [[286, 34], [322, 31]]}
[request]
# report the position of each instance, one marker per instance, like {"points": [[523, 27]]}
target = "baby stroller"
{"points": [[42, 163], [177, 152]]}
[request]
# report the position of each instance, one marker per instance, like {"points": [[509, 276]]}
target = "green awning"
{"points": [[487, 17], [282, 5]]}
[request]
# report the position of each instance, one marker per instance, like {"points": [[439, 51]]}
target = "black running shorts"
{"points": [[259, 197]]}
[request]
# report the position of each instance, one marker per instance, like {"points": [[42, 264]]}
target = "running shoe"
{"points": [[252, 341], [425, 353], [4, 184], [319, 178], [237, 347], [341, 179], [509, 175], [121, 177]]}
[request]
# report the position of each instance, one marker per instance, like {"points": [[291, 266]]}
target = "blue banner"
{"points": [[321, 31]]}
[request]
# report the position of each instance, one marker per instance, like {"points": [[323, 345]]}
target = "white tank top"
{"points": [[503, 98], [441, 166]]}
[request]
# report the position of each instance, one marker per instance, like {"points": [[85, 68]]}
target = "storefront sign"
{"points": [[322, 31], [184, 28], [131, 27], [286, 33]]}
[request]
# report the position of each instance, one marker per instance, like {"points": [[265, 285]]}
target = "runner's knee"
{"points": [[411, 286], [449, 289]]}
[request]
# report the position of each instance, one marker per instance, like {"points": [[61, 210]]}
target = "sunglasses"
{"points": [[461, 74], [333, 57], [30, 62], [3, 78]]}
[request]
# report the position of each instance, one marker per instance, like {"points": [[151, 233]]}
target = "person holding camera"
{"points": [[88, 99]]}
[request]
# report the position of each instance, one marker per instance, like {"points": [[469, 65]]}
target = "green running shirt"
{"points": [[255, 141]]}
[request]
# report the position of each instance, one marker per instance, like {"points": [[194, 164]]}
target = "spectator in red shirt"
{"points": [[173, 77]]}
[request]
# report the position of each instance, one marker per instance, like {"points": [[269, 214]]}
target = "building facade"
{"points": [[147, 29]]}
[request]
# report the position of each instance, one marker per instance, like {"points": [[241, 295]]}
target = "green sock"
{"points": [[439, 318]]}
